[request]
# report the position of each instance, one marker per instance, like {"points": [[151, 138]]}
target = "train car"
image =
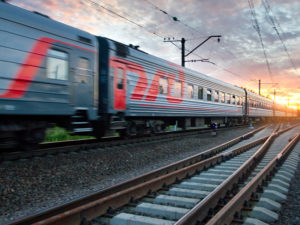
{"points": [[258, 106], [47, 71], [52, 73], [280, 111], [146, 92]]}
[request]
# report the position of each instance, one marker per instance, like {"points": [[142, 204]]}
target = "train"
{"points": [[52, 73]]}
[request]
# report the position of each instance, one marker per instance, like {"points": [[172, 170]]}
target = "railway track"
{"points": [[53, 148], [259, 201], [130, 194]]}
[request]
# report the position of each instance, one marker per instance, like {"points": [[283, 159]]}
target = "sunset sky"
{"points": [[238, 58]]}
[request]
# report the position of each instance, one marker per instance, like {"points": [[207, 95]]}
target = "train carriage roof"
{"points": [[44, 24], [256, 97]]}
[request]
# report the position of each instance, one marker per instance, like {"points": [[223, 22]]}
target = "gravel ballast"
{"points": [[28, 186], [290, 211]]}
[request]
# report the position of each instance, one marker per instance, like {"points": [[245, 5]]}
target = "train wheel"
{"points": [[98, 133], [140, 131], [157, 128], [99, 130], [130, 131], [39, 135]]}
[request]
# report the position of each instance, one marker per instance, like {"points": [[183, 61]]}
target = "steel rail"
{"points": [[200, 211], [143, 181], [100, 207], [226, 214]]}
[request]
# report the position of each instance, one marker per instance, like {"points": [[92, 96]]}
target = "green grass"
{"points": [[60, 134]]}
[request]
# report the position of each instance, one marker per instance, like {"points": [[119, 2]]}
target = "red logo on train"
{"points": [[139, 92]]}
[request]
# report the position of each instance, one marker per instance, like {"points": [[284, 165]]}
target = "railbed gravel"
{"points": [[33, 185], [290, 211]]}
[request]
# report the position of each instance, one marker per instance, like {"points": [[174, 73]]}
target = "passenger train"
{"points": [[52, 73]]}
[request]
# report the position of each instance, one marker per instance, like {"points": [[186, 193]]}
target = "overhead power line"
{"points": [[183, 50], [274, 21], [173, 18], [97, 4], [257, 28]]}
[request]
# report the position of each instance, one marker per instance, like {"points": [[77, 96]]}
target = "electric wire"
{"points": [[97, 4], [274, 21], [257, 28], [173, 18], [177, 20]]}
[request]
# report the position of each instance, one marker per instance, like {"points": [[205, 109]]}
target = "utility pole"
{"points": [[260, 83], [182, 48], [183, 55], [182, 52]]}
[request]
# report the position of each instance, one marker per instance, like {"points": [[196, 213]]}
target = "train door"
{"points": [[83, 89], [119, 86], [246, 104]]}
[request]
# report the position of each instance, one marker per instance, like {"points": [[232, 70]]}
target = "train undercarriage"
{"points": [[28, 132]]}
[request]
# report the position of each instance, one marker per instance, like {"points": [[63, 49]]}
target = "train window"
{"points": [[83, 66], [233, 99], [222, 97], [200, 93], [190, 91], [85, 39], [208, 94], [177, 89], [120, 79], [238, 100], [57, 65], [163, 86], [216, 96], [83, 70], [228, 98]]}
